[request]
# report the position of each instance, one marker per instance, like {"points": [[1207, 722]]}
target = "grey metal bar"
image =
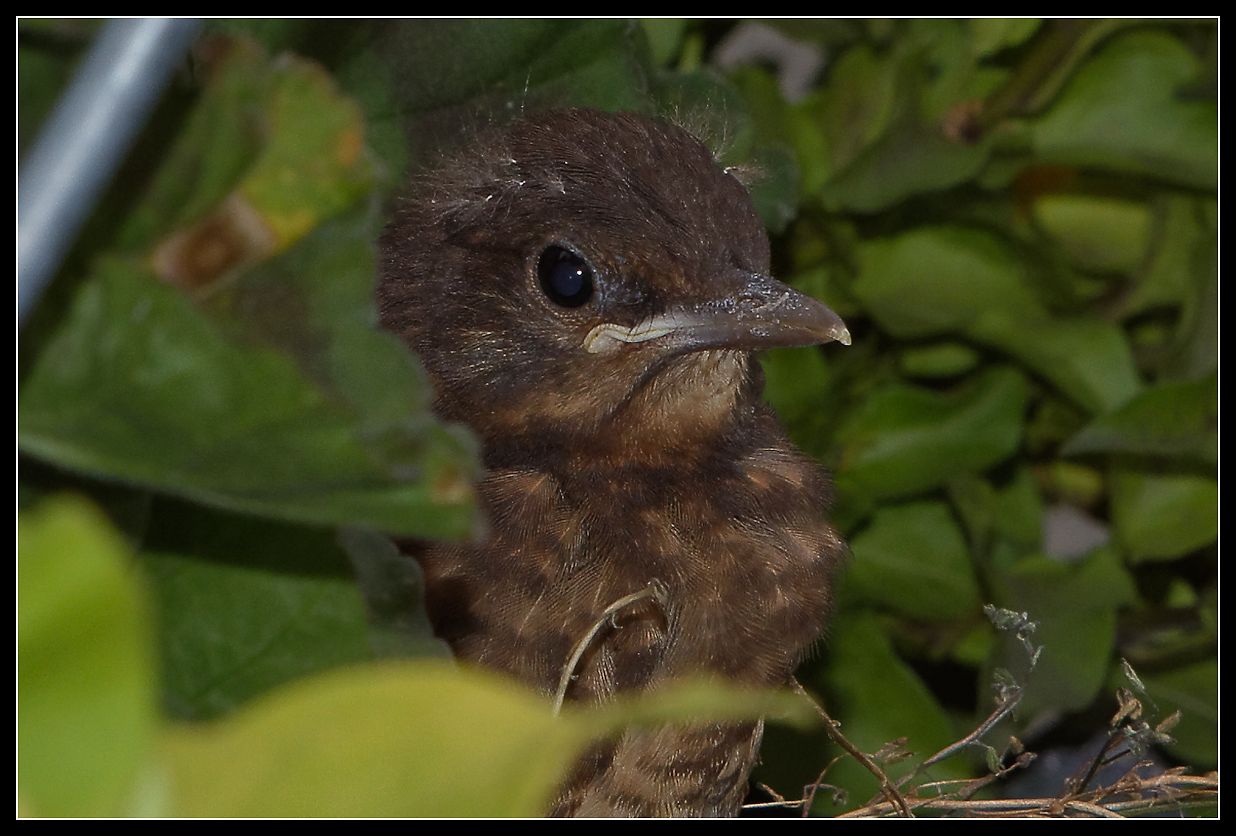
{"points": [[85, 139]]}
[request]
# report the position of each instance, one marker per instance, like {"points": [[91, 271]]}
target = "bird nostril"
{"points": [[748, 302]]}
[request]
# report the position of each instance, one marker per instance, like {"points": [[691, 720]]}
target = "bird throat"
{"points": [[690, 399]]}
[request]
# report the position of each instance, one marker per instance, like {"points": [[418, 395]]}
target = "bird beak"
{"points": [[752, 312]]}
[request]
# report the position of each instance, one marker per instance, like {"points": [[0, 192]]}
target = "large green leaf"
{"points": [[913, 559], [903, 163], [1127, 110], [415, 739], [399, 740], [85, 668], [139, 387], [904, 440]]}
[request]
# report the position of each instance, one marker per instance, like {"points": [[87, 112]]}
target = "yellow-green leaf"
{"points": [[85, 670]]}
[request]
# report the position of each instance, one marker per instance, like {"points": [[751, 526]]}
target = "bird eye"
{"points": [[565, 277]]}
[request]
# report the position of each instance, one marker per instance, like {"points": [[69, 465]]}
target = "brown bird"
{"points": [[586, 291]]}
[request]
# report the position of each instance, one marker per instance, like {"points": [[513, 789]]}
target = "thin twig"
{"points": [[776, 795], [1093, 809], [834, 732], [811, 789], [1179, 790], [653, 591], [1006, 707], [1078, 787]]}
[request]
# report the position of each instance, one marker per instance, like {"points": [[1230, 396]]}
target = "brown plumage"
{"points": [[586, 290]]}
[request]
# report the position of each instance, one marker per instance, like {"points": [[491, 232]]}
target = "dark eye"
{"points": [[565, 277]]}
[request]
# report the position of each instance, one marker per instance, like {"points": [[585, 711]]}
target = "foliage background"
{"points": [[1017, 219]]}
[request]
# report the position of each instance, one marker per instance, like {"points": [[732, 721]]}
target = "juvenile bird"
{"points": [[586, 290]]}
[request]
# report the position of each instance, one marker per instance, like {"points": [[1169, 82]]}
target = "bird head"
{"points": [[581, 273]]}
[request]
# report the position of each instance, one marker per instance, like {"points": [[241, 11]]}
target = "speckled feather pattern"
{"points": [[608, 474]]}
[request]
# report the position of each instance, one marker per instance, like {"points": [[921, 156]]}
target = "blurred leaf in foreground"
{"points": [[415, 739], [86, 712]]}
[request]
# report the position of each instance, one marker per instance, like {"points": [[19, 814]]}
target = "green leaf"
{"points": [[1104, 234], [942, 359], [1075, 605], [85, 672], [914, 160], [1170, 420], [912, 559], [244, 605], [946, 280], [393, 587], [774, 121], [797, 382], [665, 36], [856, 105], [1137, 82], [1167, 275], [1012, 512], [904, 440], [512, 63], [1159, 516], [1194, 691], [313, 164], [414, 739], [403, 739], [884, 115], [692, 700], [938, 280], [219, 139], [990, 35], [878, 699], [1087, 359], [137, 386], [42, 73], [1196, 349]]}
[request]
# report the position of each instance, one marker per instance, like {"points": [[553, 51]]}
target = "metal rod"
{"points": [[85, 139]]}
